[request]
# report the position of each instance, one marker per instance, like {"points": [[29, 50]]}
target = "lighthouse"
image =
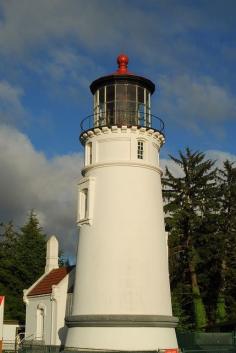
{"points": [[121, 295]]}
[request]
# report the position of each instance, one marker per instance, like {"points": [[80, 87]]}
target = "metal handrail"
{"points": [[122, 118]]}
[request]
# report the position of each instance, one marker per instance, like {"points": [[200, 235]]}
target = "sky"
{"points": [[50, 52]]}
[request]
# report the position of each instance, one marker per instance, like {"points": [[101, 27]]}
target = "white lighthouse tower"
{"points": [[122, 295]]}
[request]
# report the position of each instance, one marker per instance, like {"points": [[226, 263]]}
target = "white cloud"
{"points": [[196, 102], [66, 65], [30, 181], [220, 157], [172, 166], [215, 155]]}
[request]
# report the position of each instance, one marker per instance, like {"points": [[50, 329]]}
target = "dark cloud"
{"points": [[12, 111], [30, 181]]}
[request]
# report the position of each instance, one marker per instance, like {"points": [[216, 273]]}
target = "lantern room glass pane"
{"points": [[110, 93], [140, 95], [121, 92], [102, 95], [111, 113], [147, 98], [121, 106], [131, 93], [148, 111], [131, 114], [141, 114]]}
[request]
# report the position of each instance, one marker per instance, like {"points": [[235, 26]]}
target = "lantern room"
{"points": [[122, 99]]}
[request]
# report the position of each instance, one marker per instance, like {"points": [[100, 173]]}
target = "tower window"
{"points": [[140, 150], [89, 156], [84, 204], [86, 201]]}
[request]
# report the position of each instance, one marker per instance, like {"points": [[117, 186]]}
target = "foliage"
{"points": [[200, 206], [9, 282], [22, 262], [227, 235]]}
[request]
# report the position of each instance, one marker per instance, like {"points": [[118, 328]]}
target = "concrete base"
{"points": [[121, 332], [121, 338]]}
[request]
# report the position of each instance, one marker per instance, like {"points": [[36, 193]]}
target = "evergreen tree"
{"points": [[227, 236], [190, 202], [31, 250], [9, 281], [22, 262], [29, 257]]}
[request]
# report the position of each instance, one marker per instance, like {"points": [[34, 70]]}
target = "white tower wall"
{"points": [[121, 295]]}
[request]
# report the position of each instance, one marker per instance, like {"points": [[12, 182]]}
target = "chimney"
{"points": [[52, 254]]}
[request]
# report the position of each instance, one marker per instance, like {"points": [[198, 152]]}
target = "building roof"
{"points": [[52, 278]]}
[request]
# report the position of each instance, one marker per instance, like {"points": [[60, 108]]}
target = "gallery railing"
{"points": [[122, 118]]}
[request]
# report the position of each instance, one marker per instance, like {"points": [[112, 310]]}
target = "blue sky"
{"points": [[50, 51]]}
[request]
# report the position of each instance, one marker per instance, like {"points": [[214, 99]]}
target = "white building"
{"points": [[49, 300]]}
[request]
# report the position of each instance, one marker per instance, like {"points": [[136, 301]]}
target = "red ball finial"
{"points": [[122, 61]]}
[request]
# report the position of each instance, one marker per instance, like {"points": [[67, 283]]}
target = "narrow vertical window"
{"points": [[158, 159], [90, 153], [84, 204], [40, 324], [140, 150], [86, 201], [89, 156]]}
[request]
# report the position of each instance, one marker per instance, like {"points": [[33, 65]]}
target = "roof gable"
{"points": [[52, 278]]}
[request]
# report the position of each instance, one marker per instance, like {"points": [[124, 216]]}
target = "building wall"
{"points": [[9, 335], [34, 303], [122, 238], [60, 303]]}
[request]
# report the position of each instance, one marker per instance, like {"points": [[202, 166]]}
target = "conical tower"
{"points": [[122, 295]]}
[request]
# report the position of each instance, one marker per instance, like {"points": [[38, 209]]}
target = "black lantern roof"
{"points": [[122, 75]]}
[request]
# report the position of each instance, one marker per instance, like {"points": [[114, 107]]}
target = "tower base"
{"points": [[126, 333]]}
